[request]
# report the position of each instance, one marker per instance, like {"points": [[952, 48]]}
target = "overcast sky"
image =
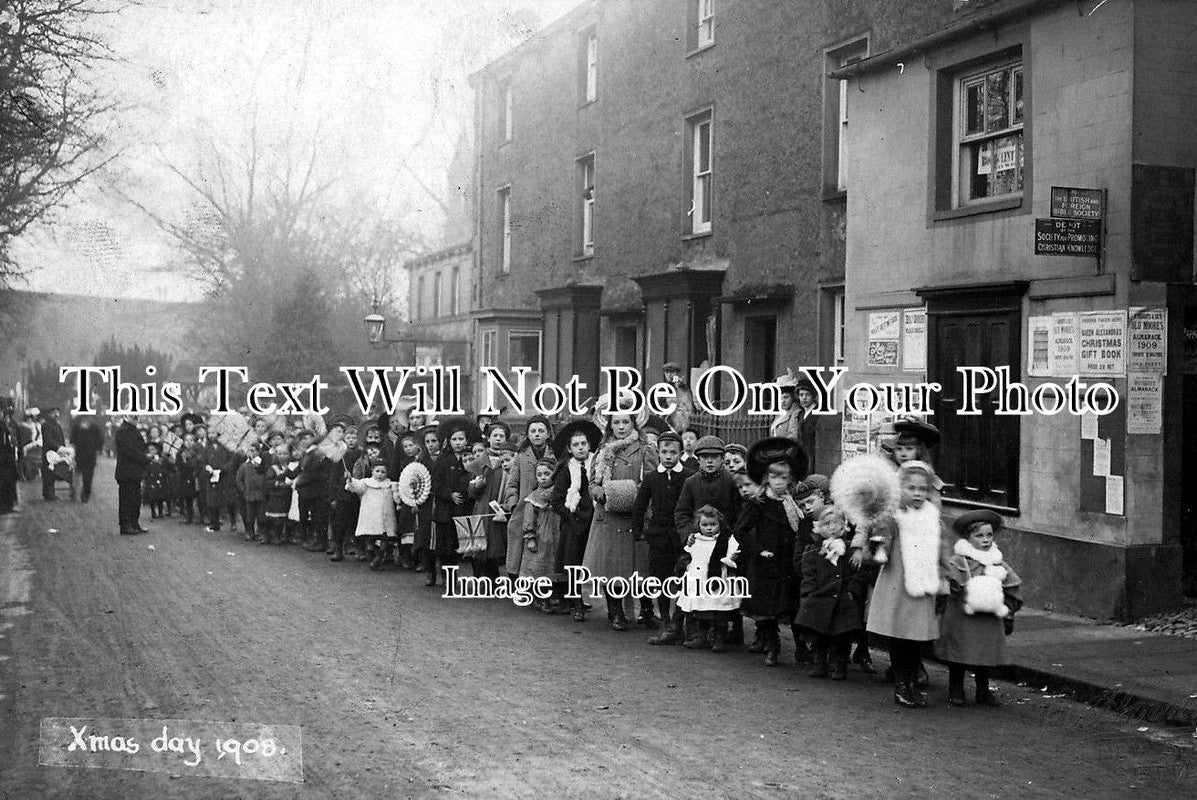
{"points": [[369, 80]]}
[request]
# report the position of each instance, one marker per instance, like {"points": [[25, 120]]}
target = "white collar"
{"points": [[675, 468]]}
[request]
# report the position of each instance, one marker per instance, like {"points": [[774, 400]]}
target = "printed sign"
{"points": [[1071, 203], [174, 746], [914, 339], [1144, 403], [1147, 330], [1102, 343], [1068, 237], [883, 354], [1115, 489], [1039, 331], [1062, 354]]}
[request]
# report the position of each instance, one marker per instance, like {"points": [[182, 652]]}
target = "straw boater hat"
{"points": [[772, 449]]}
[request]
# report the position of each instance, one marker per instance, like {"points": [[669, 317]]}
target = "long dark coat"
{"points": [[449, 476], [224, 491], [830, 594], [87, 441], [131, 459], [762, 526]]}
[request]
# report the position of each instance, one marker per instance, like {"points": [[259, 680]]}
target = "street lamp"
{"points": [[376, 329]]}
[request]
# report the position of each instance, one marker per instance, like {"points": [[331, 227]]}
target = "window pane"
{"points": [[1017, 96], [704, 147], [705, 212], [974, 101], [524, 350], [995, 166], [997, 101]]}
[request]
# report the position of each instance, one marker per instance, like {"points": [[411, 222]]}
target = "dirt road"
{"points": [[401, 693]]}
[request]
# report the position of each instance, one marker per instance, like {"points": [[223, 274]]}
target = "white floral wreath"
{"points": [[415, 484]]}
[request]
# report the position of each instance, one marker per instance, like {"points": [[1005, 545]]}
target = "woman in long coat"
{"points": [[423, 539], [534, 448], [611, 548]]}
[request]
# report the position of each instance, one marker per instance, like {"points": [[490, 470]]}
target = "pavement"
{"points": [[400, 692], [1147, 675]]}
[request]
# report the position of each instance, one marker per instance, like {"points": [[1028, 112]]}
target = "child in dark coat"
{"points": [[829, 615], [979, 611], [156, 482], [185, 478], [250, 486]]}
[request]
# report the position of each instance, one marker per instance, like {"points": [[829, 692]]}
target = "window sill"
{"points": [[833, 195], [700, 49], [506, 142], [587, 103], [975, 209], [582, 257], [959, 502], [686, 237]]}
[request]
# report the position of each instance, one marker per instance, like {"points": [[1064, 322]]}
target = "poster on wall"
{"points": [[1039, 331], [1101, 344], [1062, 351], [914, 339], [1147, 332], [1115, 488], [1144, 403], [854, 434], [884, 330]]}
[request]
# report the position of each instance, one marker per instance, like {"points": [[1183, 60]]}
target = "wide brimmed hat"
{"points": [[451, 425], [788, 383], [427, 429], [773, 449], [561, 440], [925, 432], [962, 523]]}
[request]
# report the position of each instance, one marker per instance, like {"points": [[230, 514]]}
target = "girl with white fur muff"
{"points": [[979, 613], [903, 605]]}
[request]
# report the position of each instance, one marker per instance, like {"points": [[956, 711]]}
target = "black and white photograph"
{"points": [[598, 399]]}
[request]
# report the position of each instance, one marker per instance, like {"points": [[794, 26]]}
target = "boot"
{"points": [[618, 621], [758, 642], [430, 568], [956, 695], [338, 551], [701, 639], [819, 670], [404, 556], [736, 637], [772, 653], [802, 653], [904, 694], [985, 697], [376, 557], [647, 618], [674, 632], [921, 679], [577, 610], [838, 662], [719, 637], [864, 660]]}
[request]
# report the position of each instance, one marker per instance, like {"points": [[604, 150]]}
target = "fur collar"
{"points": [[990, 558]]}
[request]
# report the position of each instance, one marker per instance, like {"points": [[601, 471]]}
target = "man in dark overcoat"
{"points": [[87, 439], [131, 462]]}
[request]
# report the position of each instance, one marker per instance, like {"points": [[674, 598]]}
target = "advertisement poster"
{"points": [[1039, 331], [1144, 403], [1101, 344], [1147, 330], [914, 339], [1062, 346], [885, 327]]}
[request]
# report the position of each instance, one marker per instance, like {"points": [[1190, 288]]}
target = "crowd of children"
{"points": [[836, 560]]}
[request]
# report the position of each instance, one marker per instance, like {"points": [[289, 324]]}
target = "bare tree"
{"points": [[50, 110]]}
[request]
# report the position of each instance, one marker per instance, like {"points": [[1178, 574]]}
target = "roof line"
{"points": [[959, 29]]}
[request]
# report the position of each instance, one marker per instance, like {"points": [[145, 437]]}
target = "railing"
{"points": [[739, 427]]}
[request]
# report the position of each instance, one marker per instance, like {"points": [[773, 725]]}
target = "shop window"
{"points": [[455, 291], [436, 295], [418, 312], [990, 134]]}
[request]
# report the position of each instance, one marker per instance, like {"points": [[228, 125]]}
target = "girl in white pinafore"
{"points": [[376, 518]]}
